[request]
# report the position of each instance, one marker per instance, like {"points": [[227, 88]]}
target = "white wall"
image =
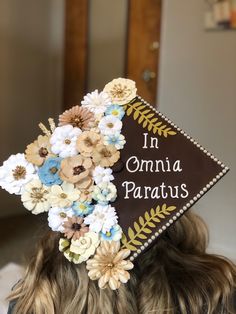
{"points": [[31, 37], [198, 92]]}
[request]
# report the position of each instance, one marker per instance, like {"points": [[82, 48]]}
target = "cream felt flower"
{"points": [[109, 266], [96, 102], [87, 142], [35, 197], [104, 192], [39, 150], [15, 172], [101, 174], [63, 141], [77, 117], [64, 247], [109, 125], [77, 170], [103, 218], [121, 91], [105, 156], [64, 195], [57, 216]]}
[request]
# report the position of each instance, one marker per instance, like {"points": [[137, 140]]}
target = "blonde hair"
{"points": [[175, 276]]}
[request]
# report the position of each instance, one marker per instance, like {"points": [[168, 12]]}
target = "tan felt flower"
{"points": [[39, 150], [121, 90], [77, 170], [78, 117], [87, 142], [75, 228], [105, 156], [86, 194], [109, 266]]}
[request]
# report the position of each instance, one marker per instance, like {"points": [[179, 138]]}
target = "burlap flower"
{"points": [[77, 170], [105, 156], [87, 142], [75, 228], [39, 150], [109, 266], [78, 117]]}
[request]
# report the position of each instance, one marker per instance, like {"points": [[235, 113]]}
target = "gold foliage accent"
{"points": [[143, 227], [146, 117], [45, 130]]}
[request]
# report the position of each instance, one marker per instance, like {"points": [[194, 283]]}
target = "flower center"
{"points": [[110, 265], [19, 173], [88, 142], [86, 192], [110, 125], [108, 234], [82, 207], [78, 170], [77, 121], [38, 195], [76, 226], [62, 215], [83, 241], [67, 141], [119, 91], [43, 152], [53, 170], [63, 195], [106, 153]]}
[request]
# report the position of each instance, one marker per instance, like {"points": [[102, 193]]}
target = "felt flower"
{"points": [[115, 234], [57, 216], [64, 195], [116, 111], [78, 117], [63, 141], [77, 170], [15, 172], [109, 125], [85, 246], [82, 208], [109, 266], [87, 142], [74, 227], [35, 197], [96, 102], [105, 156], [49, 171], [101, 174], [103, 218], [86, 194], [118, 140], [38, 151], [64, 247], [121, 91], [104, 192]]}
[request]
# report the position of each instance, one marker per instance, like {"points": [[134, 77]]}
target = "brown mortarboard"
{"points": [[162, 172]]}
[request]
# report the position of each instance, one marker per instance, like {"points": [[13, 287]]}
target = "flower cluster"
{"points": [[67, 172]]}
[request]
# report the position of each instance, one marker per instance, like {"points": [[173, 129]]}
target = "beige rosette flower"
{"points": [[74, 227], [78, 117], [109, 266], [85, 246], [64, 195], [121, 90], [87, 142], [64, 246], [77, 170], [105, 156], [39, 150]]}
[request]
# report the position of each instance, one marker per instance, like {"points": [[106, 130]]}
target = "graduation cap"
{"points": [[113, 176]]}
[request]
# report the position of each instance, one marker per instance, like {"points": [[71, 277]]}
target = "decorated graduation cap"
{"points": [[112, 176]]}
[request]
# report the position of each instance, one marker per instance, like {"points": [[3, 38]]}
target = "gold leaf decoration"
{"points": [[146, 118], [143, 227]]}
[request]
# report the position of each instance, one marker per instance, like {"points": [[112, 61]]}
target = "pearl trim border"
{"points": [[180, 212]]}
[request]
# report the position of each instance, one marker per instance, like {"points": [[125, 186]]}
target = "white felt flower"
{"points": [[15, 172], [104, 192], [101, 174], [64, 195], [57, 216], [63, 141], [35, 197], [103, 218], [85, 246], [96, 102], [109, 125]]}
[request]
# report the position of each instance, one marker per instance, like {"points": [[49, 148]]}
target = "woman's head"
{"points": [[174, 276]]}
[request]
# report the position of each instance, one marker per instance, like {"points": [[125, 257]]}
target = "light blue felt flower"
{"points": [[104, 192], [82, 208], [118, 140], [49, 172], [115, 110], [114, 234]]}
